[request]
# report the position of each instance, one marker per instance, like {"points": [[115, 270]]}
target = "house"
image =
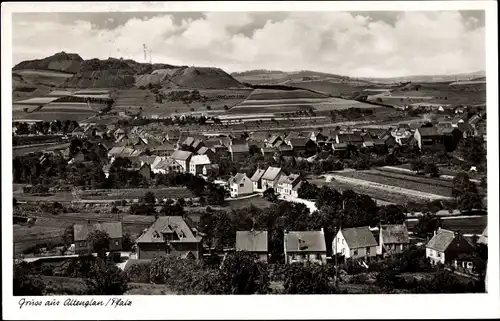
{"points": [[183, 158], [197, 162], [316, 136], [302, 145], [350, 139], [445, 246], [166, 166], [208, 152], [289, 185], [303, 246], [82, 231], [427, 137], [254, 242], [483, 238], [239, 152], [172, 135], [210, 169], [271, 177], [450, 138], [389, 140], [355, 243], [393, 239], [240, 185], [257, 180], [274, 141], [145, 171], [169, 235], [165, 149]]}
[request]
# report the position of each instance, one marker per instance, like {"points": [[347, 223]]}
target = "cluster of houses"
{"points": [[171, 235]]}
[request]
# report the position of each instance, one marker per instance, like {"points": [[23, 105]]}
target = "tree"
{"points": [[391, 214], [270, 195], [431, 170], [244, 274], [149, 198], [215, 195], [105, 279], [466, 193], [308, 279], [25, 283], [308, 191], [15, 202], [99, 242], [417, 165], [68, 235], [427, 224], [127, 243]]}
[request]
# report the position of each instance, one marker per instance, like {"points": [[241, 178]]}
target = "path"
{"points": [[310, 204]]}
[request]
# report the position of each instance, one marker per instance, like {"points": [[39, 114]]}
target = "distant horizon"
{"points": [[371, 44], [263, 69]]}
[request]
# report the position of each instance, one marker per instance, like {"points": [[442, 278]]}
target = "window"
{"points": [[368, 251], [116, 243], [355, 252], [241, 185]]}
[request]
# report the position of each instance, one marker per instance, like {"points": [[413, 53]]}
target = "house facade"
{"points": [[256, 179], [240, 185], [445, 246], [427, 138], [393, 239], [169, 235], [196, 164], [305, 246], [289, 185], [183, 158], [254, 242], [271, 177], [82, 231], [355, 243]]}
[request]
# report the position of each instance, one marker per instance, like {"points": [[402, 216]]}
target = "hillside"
{"points": [[63, 62]]}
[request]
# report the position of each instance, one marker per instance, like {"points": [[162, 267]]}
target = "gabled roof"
{"points": [[271, 173], [237, 179], [243, 148], [292, 135], [448, 130], [272, 140], [251, 241], [441, 240], [395, 234], [357, 237], [203, 150], [290, 179], [121, 151], [165, 146], [368, 144], [168, 224], [257, 175], [200, 160], [428, 131], [339, 146], [305, 241], [299, 141], [181, 155], [298, 185], [81, 231], [166, 163], [350, 138]]}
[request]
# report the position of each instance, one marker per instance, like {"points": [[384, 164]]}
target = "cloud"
{"points": [[347, 43]]}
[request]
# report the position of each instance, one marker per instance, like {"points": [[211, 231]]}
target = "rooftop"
{"points": [[81, 231], [305, 241], [358, 237], [251, 241]]}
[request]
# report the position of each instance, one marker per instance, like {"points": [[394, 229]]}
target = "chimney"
{"points": [[322, 231]]}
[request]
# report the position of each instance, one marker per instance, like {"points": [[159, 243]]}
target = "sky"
{"points": [[356, 43]]}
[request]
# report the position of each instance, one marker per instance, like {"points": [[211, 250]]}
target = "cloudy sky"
{"points": [[367, 44]]}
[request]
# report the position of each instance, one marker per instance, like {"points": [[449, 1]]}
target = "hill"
{"points": [[431, 78], [63, 62]]}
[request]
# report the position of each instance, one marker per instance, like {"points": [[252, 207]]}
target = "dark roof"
{"points": [[81, 231], [427, 131], [395, 234], [358, 237], [166, 224], [236, 179], [243, 148], [305, 241], [181, 155], [354, 137], [257, 175], [299, 141], [251, 241]]}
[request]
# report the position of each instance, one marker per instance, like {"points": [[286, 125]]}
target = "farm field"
{"points": [[405, 183], [39, 148], [119, 194], [54, 115], [329, 87], [471, 225]]}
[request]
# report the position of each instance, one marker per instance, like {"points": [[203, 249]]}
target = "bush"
{"points": [[139, 273]]}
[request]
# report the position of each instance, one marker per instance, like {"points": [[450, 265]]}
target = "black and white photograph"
{"points": [[250, 152]]}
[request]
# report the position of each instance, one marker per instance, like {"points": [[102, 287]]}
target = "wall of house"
{"points": [[342, 248], [258, 186], [148, 251], [179, 249], [362, 252], [84, 246], [314, 257], [244, 188], [434, 256]]}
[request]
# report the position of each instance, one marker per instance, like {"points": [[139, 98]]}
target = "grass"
{"points": [[148, 289], [57, 285], [257, 201], [267, 94], [472, 225]]}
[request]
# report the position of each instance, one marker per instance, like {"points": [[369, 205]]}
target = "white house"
{"points": [[289, 185], [197, 162], [257, 180], [182, 157], [302, 246], [271, 177], [167, 165], [240, 185], [445, 246], [355, 243]]}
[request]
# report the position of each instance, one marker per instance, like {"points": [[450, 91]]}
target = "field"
{"points": [[329, 87], [466, 225], [45, 77], [136, 193], [279, 101], [22, 150]]}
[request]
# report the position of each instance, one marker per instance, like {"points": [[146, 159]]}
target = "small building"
{"points": [[271, 177], [451, 137], [303, 246], [289, 185], [302, 145], [173, 135], [183, 158], [208, 152], [274, 141], [82, 231], [210, 169], [445, 246], [169, 235], [239, 152], [165, 149], [350, 139], [427, 137], [240, 185], [145, 171], [167, 166], [355, 243], [393, 239], [253, 242], [257, 180], [197, 162]]}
